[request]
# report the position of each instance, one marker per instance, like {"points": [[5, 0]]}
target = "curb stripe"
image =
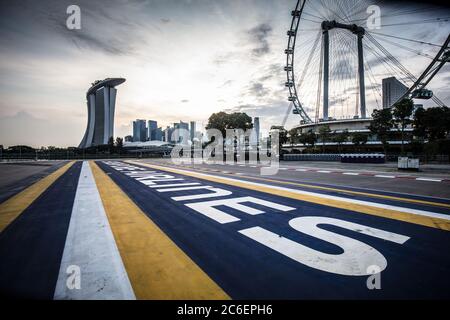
{"points": [[156, 266], [425, 218], [90, 246], [13, 207]]}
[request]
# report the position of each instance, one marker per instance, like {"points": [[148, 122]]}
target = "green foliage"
{"points": [[402, 112], [223, 121], [119, 143], [381, 125], [359, 139], [308, 138], [432, 124]]}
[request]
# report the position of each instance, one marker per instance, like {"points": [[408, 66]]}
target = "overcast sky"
{"points": [[183, 60]]}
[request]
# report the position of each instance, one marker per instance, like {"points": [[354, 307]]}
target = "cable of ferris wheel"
{"points": [[367, 67], [391, 57], [435, 20], [406, 39], [407, 48]]}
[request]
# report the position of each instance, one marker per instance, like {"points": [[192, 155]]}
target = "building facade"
{"points": [[101, 101], [152, 130], [392, 91], [139, 131]]}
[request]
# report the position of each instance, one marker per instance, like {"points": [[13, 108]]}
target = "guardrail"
{"points": [[344, 158]]}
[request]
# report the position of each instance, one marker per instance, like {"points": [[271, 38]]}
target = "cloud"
{"points": [[259, 37], [184, 101], [258, 89]]}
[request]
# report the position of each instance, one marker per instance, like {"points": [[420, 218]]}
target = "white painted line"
{"points": [[253, 167], [351, 173], [383, 176], [171, 185], [301, 170], [283, 169], [429, 179], [323, 171], [90, 246], [329, 197], [239, 173], [242, 165]]}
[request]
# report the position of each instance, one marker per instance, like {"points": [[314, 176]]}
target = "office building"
{"points": [[139, 131], [392, 91], [152, 128], [101, 101], [192, 130]]}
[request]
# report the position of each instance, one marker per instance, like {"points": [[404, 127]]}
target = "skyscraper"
{"points": [[152, 127], [192, 132], [256, 128], [101, 101], [139, 131], [255, 136], [392, 91]]}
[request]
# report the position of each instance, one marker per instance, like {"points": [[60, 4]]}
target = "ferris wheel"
{"points": [[341, 52]]}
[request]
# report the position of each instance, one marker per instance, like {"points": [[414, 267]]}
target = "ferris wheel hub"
{"points": [[328, 25]]}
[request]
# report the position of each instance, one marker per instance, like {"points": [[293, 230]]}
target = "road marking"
{"points": [[90, 246], [383, 176], [156, 266], [323, 171], [426, 218], [429, 179], [372, 195], [13, 207], [344, 263], [301, 170], [351, 173]]}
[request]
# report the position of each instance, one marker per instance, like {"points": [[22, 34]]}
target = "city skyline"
{"points": [[182, 60]]}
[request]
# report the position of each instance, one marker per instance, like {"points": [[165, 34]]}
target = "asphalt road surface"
{"points": [[152, 229]]}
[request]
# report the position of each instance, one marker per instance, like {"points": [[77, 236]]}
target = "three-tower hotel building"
{"points": [[101, 101]]}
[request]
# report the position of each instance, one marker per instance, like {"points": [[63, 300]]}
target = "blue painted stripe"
{"points": [[248, 270], [31, 247]]}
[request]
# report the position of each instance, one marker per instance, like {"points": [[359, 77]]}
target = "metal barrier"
{"points": [[312, 157], [363, 158]]}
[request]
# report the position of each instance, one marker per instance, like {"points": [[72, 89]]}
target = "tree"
{"points": [[308, 138], [359, 139], [119, 144], [111, 144], [324, 134], [381, 125], [223, 121], [294, 135], [402, 112], [432, 124], [282, 135], [340, 138]]}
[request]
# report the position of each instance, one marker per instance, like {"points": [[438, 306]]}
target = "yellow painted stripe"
{"points": [[380, 212], [14, 206], [371, 195], [156, 266]]}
